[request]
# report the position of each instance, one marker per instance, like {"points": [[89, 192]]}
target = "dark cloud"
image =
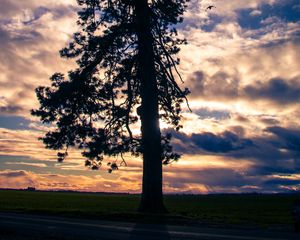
{"points": [[222, 177], [13, 174], [265, 169], [282, 182], [276, 153], [197, 83], [220, 85], [10, 34], [182, 142], [214, 143], [205, 113], [269, 121], [4, 36], [11, 109], [277, 90], [290, 138], [223, 86], [239, 130], [37, 14], [242, 119], [15, 105], [223, 143], [272, 153], [58, 11], [229, 180]]}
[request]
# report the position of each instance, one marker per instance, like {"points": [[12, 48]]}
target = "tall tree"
{"points": [[127, 69]]}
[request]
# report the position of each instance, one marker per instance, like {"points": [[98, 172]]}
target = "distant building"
{"points": [[30, 189]]}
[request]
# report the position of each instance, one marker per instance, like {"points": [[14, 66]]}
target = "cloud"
{"points": [[23, 179], [224, 86], [297, 7], [219, 86], [275, 151], [225, 142], [206, 113], [221, 61], [276, 89], [282, 182], [241, 65], [15, 179], [13, 174], [213, 143], [11, 109], [222, 177], [31, 35], [27, 164], [290, 137], [255, 12], [269, 120]]}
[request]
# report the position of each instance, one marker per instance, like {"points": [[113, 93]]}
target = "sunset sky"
{"points": [[242, 65]]}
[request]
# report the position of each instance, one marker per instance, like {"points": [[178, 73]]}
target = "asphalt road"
{"points": [[24, 226]]}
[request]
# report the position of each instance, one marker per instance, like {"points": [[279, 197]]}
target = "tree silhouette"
{"points": [[127, 69]]}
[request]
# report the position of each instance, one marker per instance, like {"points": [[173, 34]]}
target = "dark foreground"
{"points": [[257, 210], [25, 227]]}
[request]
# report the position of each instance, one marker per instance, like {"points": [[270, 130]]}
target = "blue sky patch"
{"points": [[14, 122], [253, 18]]}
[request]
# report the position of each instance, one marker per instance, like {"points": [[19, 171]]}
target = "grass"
{"points": [[245, 209]]}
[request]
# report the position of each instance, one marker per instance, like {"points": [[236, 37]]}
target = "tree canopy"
{"points": [[96, 105]]}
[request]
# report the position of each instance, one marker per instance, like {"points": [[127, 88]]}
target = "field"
{"points": [[245, 209]]}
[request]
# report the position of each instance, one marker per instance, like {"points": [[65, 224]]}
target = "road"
{"points": [[46, 227]]}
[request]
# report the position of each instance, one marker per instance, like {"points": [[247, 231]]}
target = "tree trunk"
{"points": [[152, 196]]}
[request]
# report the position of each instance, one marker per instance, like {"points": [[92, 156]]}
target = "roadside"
{"points": [[31, 227]]}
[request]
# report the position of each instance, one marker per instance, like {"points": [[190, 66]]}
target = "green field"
{"points": [[252, 210]]}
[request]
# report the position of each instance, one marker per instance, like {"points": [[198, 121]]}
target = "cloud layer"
{"points": [[241, 65]]}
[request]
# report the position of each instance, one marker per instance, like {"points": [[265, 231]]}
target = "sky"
{"points": [[241, 66]]}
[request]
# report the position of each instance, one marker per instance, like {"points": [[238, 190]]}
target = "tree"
{"points": [[127, 69]]}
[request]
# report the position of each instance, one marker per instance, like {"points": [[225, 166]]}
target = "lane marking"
{"points": [[130, 229]]}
